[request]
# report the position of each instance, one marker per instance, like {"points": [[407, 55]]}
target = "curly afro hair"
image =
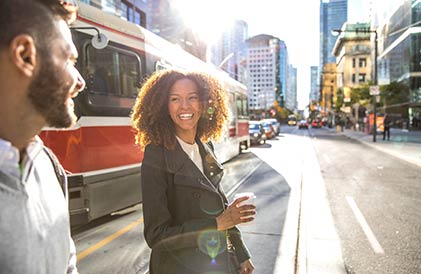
{"points": [[150, 115]]}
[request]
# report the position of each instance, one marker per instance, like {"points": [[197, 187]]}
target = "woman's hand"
{"points": [[246, 267], [236, 214]]}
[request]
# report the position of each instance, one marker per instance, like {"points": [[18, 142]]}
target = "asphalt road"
{"points": [[115, 244], [375, 201]]}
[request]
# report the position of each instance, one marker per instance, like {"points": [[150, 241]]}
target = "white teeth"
{"points": [[186, 116]]}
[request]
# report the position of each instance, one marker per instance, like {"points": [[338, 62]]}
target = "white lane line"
{"points": [[327, 159], [237, 185], [364, 225]]}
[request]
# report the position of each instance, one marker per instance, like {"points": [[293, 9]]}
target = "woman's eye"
{"points": [[194, 98], [173, 99]]}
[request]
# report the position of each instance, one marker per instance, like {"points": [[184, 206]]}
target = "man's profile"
{"points": [[38, 81]]}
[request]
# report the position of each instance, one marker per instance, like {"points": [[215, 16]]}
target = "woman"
{"points": [[188, 223]]}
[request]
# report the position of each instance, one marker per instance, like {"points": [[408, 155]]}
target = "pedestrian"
{"points": [[386, 127], [189, 224], [37, 83]]}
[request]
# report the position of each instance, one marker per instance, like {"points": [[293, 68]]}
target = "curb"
{"points": [[396, 154]]}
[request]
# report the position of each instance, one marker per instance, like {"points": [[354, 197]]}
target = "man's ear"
{"points": [[23, 54]]}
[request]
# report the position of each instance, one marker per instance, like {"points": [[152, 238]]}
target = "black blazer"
{"points": [[180, 206]]}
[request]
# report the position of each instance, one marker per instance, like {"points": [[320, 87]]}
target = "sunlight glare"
{"points": [[207, 18]]}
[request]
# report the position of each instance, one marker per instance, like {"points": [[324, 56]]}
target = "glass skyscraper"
{"points": [[399, 44], [333, 14], [314, 89], [229, 52]]}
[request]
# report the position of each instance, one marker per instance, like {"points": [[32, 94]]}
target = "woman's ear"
{"points": [[23, 54]]}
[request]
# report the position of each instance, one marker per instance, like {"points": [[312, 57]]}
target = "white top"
{"points": [[34, 218], [193, 152]]}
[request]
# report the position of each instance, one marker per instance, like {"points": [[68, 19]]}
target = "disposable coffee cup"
{"points": [[250, 201]]}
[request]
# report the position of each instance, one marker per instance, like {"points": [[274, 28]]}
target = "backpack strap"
{"points": [[58, 169]]}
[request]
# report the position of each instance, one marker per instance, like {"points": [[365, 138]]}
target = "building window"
{"points": [[353, 78], [137, 17], [132, 13], [124, 8], [353, 62], [362, 63], [361, 78]]}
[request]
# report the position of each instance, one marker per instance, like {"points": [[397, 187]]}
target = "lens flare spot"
{"points": [[212, 243]]}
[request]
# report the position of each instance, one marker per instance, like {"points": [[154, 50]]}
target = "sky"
{"points": [[296, 22]]}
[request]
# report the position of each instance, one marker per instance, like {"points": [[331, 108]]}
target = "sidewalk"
{"points": [[403, 144]]}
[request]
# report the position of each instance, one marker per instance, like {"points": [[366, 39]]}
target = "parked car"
{"points": [[257, 133], [316, 123], [275, 124], [302, 124]]}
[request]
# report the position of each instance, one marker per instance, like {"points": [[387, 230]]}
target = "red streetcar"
{"points": [[99, 152]]}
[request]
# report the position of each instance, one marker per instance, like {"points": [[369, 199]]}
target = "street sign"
{"points": [[374, 90]]}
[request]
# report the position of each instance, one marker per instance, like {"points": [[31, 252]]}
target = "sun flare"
{"points": [[209, 19]]}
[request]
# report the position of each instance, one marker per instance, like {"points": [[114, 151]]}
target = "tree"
{"points": [[395, 98], [339, 99], [361, 95]]}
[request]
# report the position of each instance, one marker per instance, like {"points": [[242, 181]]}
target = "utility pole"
{"points": [[375, 83]]}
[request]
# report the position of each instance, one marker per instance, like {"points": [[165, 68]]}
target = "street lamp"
{"points": [[226, 59], [367, 30]]}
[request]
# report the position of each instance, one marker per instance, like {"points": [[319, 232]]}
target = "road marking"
{"points": [[327, 159], [109, 239], [364, 225], [234, 188]]}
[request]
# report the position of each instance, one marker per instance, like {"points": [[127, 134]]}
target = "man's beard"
{"points": [[48, 93]]}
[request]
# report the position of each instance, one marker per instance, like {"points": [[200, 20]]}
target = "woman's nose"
{"points": [[185, 102]]}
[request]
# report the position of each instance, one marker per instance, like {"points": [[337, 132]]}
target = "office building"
{"points": [[352, 52], [314, 95], [399, 51], [266, 56], [333, 14], [229, 51], [291, 95]]}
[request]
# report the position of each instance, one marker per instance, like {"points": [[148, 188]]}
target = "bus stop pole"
{"points": [[375, 119]]}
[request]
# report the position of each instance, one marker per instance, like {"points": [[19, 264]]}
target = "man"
{"points": [[386, 127], [37, 83]]}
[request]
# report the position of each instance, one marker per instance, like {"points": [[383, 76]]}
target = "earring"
{"points": [[211, 110]]}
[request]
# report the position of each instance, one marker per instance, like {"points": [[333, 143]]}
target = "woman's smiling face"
{"points": [[184, 108]]}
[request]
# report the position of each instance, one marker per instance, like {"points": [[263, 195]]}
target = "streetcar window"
{"points": [[231, 109], [239, 106], [242, 106], [112, 71]]}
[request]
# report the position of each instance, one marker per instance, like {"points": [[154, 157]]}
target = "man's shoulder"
{"points": [[58, 168]]}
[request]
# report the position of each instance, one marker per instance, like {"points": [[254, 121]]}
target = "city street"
{"points": [[311, 109], [375, 201], [325, 204]]}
